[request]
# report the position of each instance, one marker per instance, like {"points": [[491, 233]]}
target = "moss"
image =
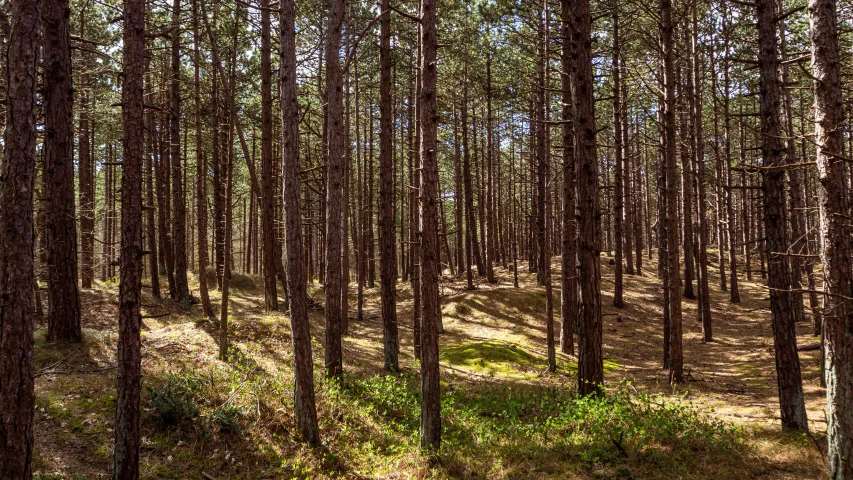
{"points": [[491, 357]]}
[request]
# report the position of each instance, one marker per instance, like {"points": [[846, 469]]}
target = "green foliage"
{"points": [[226, 418], [547, 425], [176, 401]]}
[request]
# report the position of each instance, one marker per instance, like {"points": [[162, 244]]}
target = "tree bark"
{"points": [[568, 278], [126, 451], [834, 201], [590, 361], [789, 381], [388, 255], [430, 430], [267, 212], [618, 208], [201, 174], [335, 165], [181, 292], [305, 410], [63, 322], [17, 182]]}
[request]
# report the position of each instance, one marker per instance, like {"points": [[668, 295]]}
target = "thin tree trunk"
{"points": [[267, 213], [201, 174], [618, 208], [568, 239], [179, 208], [305, 410]]}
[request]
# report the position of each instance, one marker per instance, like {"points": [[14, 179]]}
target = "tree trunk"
{"points": [[335, 165], [63, 299], [568, 239], [179, 208], [201, 175], [672, 277], [126, 451], [834, 204], [789, 381], [305, 410], [388, 255], [430, 431], [267, 213], [590, 361], [17, 181], [704, 304], [618, 208], [86, 173]]}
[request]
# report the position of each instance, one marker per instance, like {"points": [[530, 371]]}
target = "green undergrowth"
{"points": [[504, 359], [506, 431], [370, 427]]}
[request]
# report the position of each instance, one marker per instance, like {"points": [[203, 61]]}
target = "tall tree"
{"points": [[788, 377], [388, 255], [430, 431], [834, 202], [618, 208], [590, 360], [568, 279], [179, 206], [126, 450], [334, 167], [17, 182], [303, 366], [672, 277], [63, 322], [267, 179], [86, 172], [201, 175]]}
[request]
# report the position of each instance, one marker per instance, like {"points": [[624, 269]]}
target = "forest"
{"points": [[450, 239]]}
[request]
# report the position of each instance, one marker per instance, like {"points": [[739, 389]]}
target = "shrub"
{"points": [[177, 400]]}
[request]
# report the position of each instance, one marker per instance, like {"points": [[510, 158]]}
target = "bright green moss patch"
{"points": [[490, 357]]}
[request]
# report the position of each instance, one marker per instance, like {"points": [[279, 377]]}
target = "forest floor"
{"points": [[504, 416]]}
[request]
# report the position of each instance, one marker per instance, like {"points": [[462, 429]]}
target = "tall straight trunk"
{"points": [[201, 174], [590, 361], [688, 200], [458, 195], [216, 160], [618, 207], [150, 165], [834, 202], [726, 174], [719, 209], [179, 206], [430, 431], [387, 253], [86, 185], [126, 450], [335, 165], [789, 381], [795, 187], [541, 150], [305, 410], [568, 238], [63, 320], [17, 182], [491, 227], [704, 304], [470, 220], [267, 180], [627, 187], [163, 231], [672, 277]]}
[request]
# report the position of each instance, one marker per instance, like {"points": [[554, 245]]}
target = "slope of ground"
{"points": [[504, 416]]}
